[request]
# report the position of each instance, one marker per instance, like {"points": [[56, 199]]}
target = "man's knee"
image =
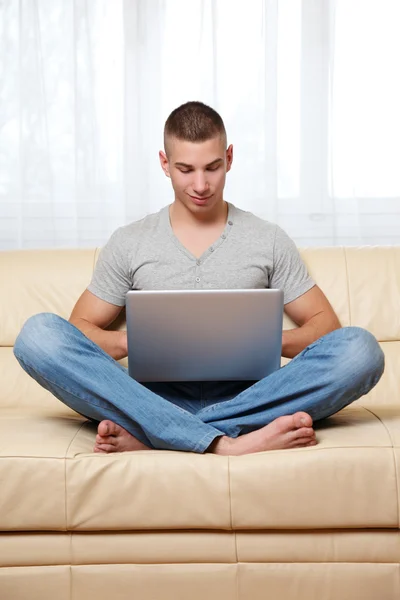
{"points": [[37, 337], [361, 358]]}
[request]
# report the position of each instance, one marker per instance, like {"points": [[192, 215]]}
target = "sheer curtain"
{"points": [[309, 91]]}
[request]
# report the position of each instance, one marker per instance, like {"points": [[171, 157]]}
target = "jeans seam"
{"points": [[210, 409]]}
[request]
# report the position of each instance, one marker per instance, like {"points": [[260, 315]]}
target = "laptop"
{"points": [[204, 335]]}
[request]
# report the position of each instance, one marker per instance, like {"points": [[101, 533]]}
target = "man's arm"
{"points": [[315, 317], [92, 315]]}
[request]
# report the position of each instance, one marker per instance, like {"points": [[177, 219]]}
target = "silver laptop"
{"points": [[204, 335]]}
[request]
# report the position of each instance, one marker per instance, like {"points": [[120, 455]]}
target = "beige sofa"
{"points": [[319, 523]]}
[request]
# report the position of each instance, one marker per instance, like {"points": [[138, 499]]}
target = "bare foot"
{"points": [[114, 438], [293, 431]]}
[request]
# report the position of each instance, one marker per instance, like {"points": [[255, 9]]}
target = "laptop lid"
{"points": [[204, 335]]}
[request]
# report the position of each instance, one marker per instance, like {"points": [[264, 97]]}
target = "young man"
{"points": [[200, 241]]}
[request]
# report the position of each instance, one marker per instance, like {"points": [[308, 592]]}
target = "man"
{"points": [[200, 241]]}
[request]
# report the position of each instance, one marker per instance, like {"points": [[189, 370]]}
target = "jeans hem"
{"points": [[205, 441]]}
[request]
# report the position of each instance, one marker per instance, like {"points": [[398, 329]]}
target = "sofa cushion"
{"points": [[52, 481], [40, 281], [202, 546], [32, 470]]}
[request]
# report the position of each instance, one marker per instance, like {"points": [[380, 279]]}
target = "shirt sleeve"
{"points": [[110, 280], [289, 272]]}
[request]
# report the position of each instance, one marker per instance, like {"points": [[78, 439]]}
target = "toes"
{"points": [[312, 442], [98, 450], [302, 419], [304, 432], [106, 439], [105, 448], [303, 442], [105, 428]]}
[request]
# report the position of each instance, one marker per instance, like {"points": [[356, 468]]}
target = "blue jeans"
{"points": [[327, 376]]}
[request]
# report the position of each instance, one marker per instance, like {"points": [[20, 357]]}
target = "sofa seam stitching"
{"points": [[398, 570], [65, 475], [70, 582], [347, 284], [230, 495], [297, 450], [70, 566], [206, 562], [234, 532], [394, 462], [399, 573]]}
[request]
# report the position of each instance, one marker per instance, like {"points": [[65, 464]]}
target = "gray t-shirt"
{"points": [[250, 253]]}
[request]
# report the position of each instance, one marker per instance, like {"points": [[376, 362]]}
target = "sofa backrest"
{"points": [[362, 284]]}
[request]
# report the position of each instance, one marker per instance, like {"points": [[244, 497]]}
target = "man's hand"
{"points": [[315, 317], [115, 343]]}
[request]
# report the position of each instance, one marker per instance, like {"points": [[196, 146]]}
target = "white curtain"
{"points": [[309, 91]]}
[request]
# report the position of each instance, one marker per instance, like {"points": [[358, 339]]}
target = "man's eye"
{"points": [[208, 169]]}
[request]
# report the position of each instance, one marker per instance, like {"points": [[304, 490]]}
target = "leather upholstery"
{"points": [[320, 522]]}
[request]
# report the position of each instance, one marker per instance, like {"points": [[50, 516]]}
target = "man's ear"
{"points": [[164, 162], [229, 158]]}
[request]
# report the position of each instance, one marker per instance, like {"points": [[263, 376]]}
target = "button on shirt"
{"points": [[251, 253]]}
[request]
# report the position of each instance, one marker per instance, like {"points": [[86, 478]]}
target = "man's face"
{"points": [[197, 171]]}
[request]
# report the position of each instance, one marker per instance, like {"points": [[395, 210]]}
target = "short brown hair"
{"points": [[194, 122]]}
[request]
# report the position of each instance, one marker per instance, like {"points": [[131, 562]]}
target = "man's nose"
{"points": [[200, 183]]}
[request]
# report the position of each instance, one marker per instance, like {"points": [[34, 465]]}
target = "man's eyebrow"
{"points": [[186, 166], [214, 162]]}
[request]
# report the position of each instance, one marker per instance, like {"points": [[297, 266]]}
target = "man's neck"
{"points": [[181, 216]]}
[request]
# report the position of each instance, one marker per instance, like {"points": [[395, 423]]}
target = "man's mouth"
{"points": [[198, 200]]}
